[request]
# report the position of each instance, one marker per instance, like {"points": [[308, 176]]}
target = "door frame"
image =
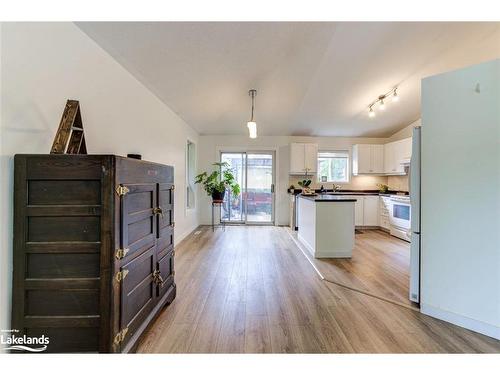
{"points": [[255, 149]]}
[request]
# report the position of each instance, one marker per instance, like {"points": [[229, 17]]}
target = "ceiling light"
{"points": [[395, 97], [252, 129], [252, 125], [381, 101]]}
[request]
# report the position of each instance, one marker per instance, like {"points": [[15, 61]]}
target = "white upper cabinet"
{"points": [[367, 159], [396, 153], [303, 158]]}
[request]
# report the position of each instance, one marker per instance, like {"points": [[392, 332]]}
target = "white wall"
{"points": [[208, 153], [461, 197], [43, 64]]}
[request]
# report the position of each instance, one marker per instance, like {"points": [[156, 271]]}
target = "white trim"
{"points": [[188, 210], [299, 246], [304, 243], [251, 148], [462, 321], [349, 167]]}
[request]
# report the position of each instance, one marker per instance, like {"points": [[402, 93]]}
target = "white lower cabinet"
{"points": [[384, 210], [366, 210], [370, 210]]}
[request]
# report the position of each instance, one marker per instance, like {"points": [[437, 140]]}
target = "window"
{"points": [[190, 174], [333, 166]]}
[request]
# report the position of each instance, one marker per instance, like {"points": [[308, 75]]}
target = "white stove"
{"points": [[400, 217]]}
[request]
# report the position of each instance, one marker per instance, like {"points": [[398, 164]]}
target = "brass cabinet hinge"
{"points": [[120, 336], [121, 275], [122, 190], [172, 224], [157, 279], [173, 273], [158, 211], [172, 187], [120, 253]]}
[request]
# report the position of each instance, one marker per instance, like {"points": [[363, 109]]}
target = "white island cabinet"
{"points": [[326, 225]]}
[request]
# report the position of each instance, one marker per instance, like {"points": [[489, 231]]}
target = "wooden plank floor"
{"points": [[251, 290], [380, 265]]}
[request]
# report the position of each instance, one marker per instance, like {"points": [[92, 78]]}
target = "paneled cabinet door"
{"points": [[389, 158], [370, 210], [165, 252], [137, 227], [297, 158], [311, 157], [137, 293], [377, 158], [165, 213], [362, 156]]}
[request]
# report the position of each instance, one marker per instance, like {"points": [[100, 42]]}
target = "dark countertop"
{"points": [[327, 198], [355, 192]]}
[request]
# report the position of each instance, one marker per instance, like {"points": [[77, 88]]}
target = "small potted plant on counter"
{"points": [[216, 183], [306, 190], [383, 188]]}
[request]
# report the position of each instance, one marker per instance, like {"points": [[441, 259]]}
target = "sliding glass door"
{"points": [[254, 172]]}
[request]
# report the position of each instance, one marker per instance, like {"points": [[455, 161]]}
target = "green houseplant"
{"points": [[216, 183]]}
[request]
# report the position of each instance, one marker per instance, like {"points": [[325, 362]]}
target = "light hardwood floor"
{"points": [[251, 290], [380, 265]]}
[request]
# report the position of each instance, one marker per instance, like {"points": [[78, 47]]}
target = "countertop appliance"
{"points": [[415, 216]]}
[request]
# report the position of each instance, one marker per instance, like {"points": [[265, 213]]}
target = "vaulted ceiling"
{"points": [[311, 78]]}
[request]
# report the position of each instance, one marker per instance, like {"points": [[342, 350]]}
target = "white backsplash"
{"points": [[398, 183], [356, 183]]}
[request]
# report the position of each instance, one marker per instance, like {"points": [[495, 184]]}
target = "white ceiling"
{"points": [[311, 78]]}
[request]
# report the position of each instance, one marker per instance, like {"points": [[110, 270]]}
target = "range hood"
{"points": [[405, 161]]}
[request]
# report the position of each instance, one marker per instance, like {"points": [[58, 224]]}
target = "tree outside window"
{"points": [[333, 166]]}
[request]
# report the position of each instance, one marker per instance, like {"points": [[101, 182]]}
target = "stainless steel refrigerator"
{"points": [[415, 216]]}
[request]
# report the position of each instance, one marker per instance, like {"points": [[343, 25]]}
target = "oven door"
{"points": [[400, 214]]}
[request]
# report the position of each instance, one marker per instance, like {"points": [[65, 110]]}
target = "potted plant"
{"points": [[306, 190], [216, 183]]}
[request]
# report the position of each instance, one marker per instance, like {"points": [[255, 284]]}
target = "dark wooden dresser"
{"points": [[93, 249]]}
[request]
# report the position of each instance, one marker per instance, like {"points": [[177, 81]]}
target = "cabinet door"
{"points": [[165, 244], [165, 220], [297, 158], [137, 294], [370, 210], [389, 164], [137, 221], [311, 157], [377, 159], [358, 209], [165, 268], [399, 151], [363, 157]]}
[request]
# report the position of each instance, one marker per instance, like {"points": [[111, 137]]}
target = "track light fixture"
{"points": [[381, 101]]}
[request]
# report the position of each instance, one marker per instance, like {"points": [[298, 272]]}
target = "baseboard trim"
{"points": [[462, 321]]}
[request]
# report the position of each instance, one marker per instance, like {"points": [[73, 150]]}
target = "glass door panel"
{"points": [[232, 209], [260, 188]]}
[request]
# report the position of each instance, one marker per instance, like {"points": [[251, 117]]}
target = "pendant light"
{"points": [[252, 125]]}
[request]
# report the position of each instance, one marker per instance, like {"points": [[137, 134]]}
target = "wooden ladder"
{"points": [[69, 138]]}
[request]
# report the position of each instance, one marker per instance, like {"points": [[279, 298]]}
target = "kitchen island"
{"points": [[326, 225]]}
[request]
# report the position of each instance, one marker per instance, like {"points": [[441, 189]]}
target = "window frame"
{"points": [[190, 184], [348, 166]]}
